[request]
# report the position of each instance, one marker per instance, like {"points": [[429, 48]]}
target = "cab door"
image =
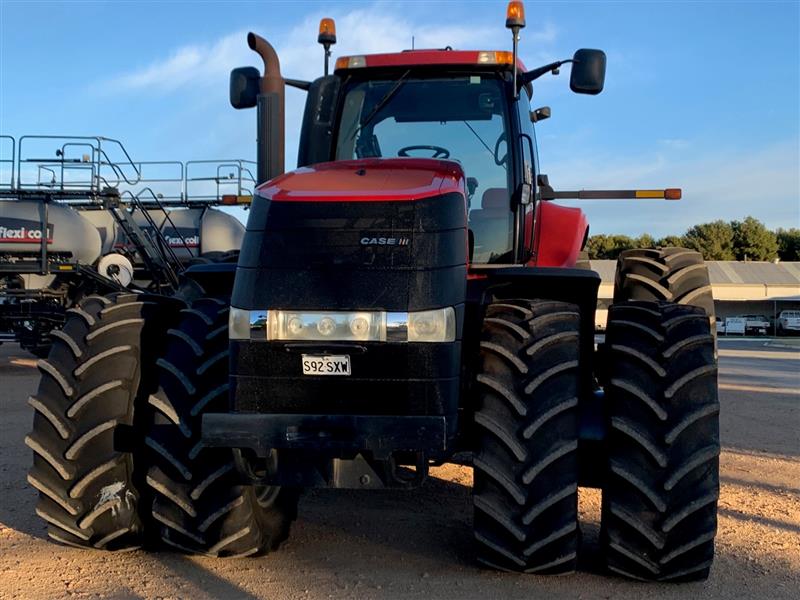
{"points": [[528, 169]]}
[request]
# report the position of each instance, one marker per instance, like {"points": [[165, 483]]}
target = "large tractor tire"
{"points": [[92, 387], [659, 509], [526, 424], [673, 275], [199, 501]]}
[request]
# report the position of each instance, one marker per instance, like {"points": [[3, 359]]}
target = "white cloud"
{"points": [[199, 72], [194, 65], [547, 35], [674, 143], [368, 30]]}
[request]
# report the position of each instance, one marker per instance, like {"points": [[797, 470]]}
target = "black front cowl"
{"points": [[394, 256], [338, 255]]}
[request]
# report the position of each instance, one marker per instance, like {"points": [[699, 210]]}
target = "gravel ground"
{"points": [[418, 544]]}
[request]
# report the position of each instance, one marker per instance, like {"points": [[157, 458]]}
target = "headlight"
{"points": [[437, 325], [319, 326], [432, 325]]}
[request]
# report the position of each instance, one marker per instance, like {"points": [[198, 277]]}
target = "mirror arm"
{"points": [[297, 83], [528, 76]]}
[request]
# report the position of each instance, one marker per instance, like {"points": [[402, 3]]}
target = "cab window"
{"points": [[461, 118]]}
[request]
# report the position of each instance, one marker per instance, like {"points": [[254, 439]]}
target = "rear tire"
{"points": [[526, 423], [659, 509], [199, 502], [673, 275], [90, 386]]}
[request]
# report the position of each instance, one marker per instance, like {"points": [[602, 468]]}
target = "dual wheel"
{"points": [[118, 460], [661, 481]]}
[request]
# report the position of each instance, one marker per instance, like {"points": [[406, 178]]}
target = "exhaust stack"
{"points": [[270, 105]]}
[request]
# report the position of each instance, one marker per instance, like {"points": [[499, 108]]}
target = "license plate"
{"points": [[326, 365]]}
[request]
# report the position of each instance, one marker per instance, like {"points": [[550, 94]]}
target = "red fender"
{"points": [[560, 235]]}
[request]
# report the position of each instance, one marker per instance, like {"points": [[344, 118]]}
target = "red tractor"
{"points": [[410, 295]]}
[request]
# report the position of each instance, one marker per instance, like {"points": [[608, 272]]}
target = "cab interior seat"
{"points": [[490, 225]]}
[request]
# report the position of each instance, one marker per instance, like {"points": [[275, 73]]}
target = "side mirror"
{"points": [[245, 86], [588, 71], [545, 189], [542, 180], [540, 114]]}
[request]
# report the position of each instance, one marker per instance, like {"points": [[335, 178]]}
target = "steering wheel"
{"points": [[500, 161], [438, 151]]}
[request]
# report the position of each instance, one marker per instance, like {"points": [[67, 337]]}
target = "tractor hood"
{"points": [[367, 180], [388, 234]]}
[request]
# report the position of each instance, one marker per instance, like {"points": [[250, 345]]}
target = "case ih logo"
{"points": [[22, 231], [384, 241]]}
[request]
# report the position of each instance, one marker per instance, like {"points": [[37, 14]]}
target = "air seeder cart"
{"points": [[112, 224]]}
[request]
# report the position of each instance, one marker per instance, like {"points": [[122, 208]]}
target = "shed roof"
{"points": [[728, 272]]}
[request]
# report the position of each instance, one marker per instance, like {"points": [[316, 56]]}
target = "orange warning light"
{"points": [[515, 14], [327, 31]]}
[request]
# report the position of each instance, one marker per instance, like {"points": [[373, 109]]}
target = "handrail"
{"points": [[12, 161], [168, 219], [174, 182], [98, 159], [156, 244], [242, 175], [41, 168], [124, 151], [191, 183], [121, 177]]}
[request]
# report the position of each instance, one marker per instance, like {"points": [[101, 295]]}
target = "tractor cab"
{"points": [[471, 107], [461, 112]]}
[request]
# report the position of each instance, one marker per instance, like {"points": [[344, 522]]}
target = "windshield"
{"points": [[459, 118]]}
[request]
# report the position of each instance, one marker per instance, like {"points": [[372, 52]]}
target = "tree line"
{"points": [[742, 240]]}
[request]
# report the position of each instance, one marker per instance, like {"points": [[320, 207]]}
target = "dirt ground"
{"points": [[376, 544]]}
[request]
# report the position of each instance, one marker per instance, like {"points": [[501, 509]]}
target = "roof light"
{"points": [[327, 31], [495, 58], [351, 62], [515, 14], [672, 194]]}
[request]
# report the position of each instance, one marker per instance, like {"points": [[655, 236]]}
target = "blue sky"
{"points": [[699, 95]]}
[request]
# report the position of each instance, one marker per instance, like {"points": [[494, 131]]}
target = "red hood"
{"points": [[367, 180]]}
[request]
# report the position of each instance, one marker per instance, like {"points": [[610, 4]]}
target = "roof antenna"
{"points": [[412, 42]]}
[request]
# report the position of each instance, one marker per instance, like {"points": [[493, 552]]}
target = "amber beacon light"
{"points": [[327, 37], [515, 20], [327, 31], [515, 14]]}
